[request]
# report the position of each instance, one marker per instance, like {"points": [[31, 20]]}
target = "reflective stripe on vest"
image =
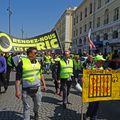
{"points": [[9, 60], [30, 73], [48, 59], [66, 69]]}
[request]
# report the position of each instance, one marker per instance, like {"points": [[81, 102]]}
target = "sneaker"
{"points": [[36, 117], [69, 103], [85, 117], [93, 118], [64, 106], [5, 90], [60, 94]]}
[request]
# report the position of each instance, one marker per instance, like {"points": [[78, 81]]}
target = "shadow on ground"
{"points": [[51, 100], [65, 114], [10, 115]]}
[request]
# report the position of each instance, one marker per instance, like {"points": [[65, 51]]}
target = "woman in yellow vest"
{"points": [[29, 74], [47, 60], [93, 106]]}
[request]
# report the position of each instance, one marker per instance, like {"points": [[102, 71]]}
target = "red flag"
{"points": [[91, 44]]}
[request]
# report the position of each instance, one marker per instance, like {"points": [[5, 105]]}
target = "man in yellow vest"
{"points": [[66, 75], [77, 64], [29, 73]]}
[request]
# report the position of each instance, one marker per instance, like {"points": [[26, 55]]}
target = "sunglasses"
{"points": [[35, 53]]}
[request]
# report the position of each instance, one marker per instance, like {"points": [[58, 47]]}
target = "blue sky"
{"points": [[36, 16]]}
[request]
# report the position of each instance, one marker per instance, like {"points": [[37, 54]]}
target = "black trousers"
{"points": [[92, 109], [56, 85], [3, 81], [8, 74], [65, 85]]}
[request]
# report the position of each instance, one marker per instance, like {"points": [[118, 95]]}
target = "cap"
{"points": [[57, 59], [76, 56], [99, 58]]}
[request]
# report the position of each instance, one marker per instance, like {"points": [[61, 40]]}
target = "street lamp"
{"points": [[9, 17], [22, 31]]}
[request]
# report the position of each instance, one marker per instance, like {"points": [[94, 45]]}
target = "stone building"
{"points": [[103, 17]]}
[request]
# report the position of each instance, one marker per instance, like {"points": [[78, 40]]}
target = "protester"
{"points": [[3, 69], [54, 76], [93, 106], [10, 65], [29, 74], [66, 75], [47, 59]]}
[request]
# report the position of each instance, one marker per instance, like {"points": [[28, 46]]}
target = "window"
{"points": [[85, 28], [99, 4], [98, 38], [106, 1], [80, 16], [80, 30], [115, 34], [106, 17], [90, 24], [116, 14], [90, 8], [74, 21], [105, 36], [85, 12], [80, 41], [76, 32], [77, 19], [85, 40], [76, 41], [98, 22]]}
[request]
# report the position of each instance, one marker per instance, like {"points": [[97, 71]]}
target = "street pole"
{"points": [[22, 31], [9, 17]]}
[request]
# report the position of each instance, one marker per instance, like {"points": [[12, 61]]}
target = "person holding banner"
{"points": [[93, 106], [29, 71]]}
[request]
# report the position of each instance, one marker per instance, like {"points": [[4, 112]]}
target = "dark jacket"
{"points": [[3, 65]]}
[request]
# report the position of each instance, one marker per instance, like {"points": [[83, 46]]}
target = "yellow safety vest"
{"points": [[30, 72], [77, 65], [66, 69], [9, 61], [47, 59]]}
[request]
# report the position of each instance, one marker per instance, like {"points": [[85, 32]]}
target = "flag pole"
{"points": [[59, 42], [81, 110]]}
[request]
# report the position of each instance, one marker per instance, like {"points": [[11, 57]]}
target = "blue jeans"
{"points": [[48, 66], [36, 98]]}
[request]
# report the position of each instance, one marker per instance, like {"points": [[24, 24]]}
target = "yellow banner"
{"points": [[101, 85], [45, 41]]}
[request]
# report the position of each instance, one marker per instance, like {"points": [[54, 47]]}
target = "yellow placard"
{"points": [[101, 85]]}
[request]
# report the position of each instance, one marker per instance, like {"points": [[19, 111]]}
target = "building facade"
{"points": [[103, 18], [64, 28]]}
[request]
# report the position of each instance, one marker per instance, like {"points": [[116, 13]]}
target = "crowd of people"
{"points": [[66, 69]]}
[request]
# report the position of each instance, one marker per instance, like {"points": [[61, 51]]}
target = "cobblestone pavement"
{"points": [[51, 108]]}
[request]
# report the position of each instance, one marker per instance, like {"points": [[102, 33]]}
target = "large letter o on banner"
{"points": [[5, 42]]}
